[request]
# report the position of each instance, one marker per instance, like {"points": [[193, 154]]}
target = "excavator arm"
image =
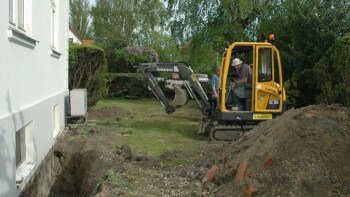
{"points": [[193, 87]]}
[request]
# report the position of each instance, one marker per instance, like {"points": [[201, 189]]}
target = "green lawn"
{"points": [[148, 129]]}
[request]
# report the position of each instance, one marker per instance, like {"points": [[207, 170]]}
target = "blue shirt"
{"points": [[215, 80]]}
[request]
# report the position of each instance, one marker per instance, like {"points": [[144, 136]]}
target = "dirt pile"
{"points": [[305, 152]]}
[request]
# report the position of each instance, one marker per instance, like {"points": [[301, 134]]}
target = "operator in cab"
{"points": [[244, 79]]}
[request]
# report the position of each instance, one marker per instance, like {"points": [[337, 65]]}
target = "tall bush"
{"points": [[87, 65], [333, 73], [125, 60], [292, 92], [132, 86]]}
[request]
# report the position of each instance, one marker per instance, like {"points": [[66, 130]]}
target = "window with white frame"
{"points": [[20, 14], [11, 19], [25, 153], [54, 24], [55, 120], [20, 23], [20, 147]]}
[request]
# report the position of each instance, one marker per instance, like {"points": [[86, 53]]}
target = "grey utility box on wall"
{"points": [[78, 103]]}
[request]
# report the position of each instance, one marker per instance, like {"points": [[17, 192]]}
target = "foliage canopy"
{"points": [[333, 73], [79, 17], [196, 31]]}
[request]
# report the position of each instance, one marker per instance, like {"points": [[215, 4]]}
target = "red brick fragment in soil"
{"points": [[249, 192], [240, 173], [227, 168], [234, 171], [268, 162], [210, 176], [222, 158]]}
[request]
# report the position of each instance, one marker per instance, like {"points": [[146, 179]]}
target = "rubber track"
{"points": [[228, 132]]}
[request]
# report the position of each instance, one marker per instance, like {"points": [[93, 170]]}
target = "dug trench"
{"points": [[87, 168], [305, 152]]}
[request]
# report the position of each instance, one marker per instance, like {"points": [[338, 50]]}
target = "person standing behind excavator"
{"points": [[215, 80], [244, 79]]}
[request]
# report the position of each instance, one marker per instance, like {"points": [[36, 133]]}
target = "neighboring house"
{"points": [[33, 87], [88, 41], [73, 37]]}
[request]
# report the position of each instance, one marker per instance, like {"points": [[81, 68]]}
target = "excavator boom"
{"points": [[193, 87]]}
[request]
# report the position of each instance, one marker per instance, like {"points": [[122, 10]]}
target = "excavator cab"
{"points": [[265, 97]]}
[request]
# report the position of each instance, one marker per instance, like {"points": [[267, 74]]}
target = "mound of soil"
{"points": [[305, 152]]}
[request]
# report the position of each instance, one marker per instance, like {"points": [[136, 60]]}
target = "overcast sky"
{"points": [[92, 2]]}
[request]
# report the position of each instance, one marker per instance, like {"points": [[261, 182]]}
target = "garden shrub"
{"points": [[292, 92], [87, 65], [125, 60], [132, 86]]}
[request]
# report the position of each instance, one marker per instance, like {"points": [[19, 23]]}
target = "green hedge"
{"points": [[132, 86], [135, 85], [87, 65], [122, 61]]}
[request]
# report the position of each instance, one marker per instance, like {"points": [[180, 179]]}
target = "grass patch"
{"points": [[150, 172], [77, 138], [100, 167], [127, 131], [115, 178], [102, 140], [97, 186], [150, 130], [179, 161]]}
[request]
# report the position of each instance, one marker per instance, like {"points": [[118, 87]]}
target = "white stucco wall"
{"points": [[32, 81]]}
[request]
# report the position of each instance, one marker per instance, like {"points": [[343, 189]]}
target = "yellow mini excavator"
{"points": [[265, 99]]}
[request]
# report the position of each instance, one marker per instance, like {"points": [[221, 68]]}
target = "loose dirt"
{"points": [[107, 112], [305, 152]]}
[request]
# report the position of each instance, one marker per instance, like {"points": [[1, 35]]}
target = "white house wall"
{"points": [[33, 80]]}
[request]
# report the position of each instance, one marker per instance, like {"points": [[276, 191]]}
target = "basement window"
{"points": [[20, 147], [24, 153], [55, 121]]}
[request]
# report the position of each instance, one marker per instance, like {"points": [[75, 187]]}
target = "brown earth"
{"points": [[305, 152], [107, 112], [308, 150]]}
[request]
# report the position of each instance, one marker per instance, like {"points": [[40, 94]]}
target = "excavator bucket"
{"points": [[181, 97]]}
